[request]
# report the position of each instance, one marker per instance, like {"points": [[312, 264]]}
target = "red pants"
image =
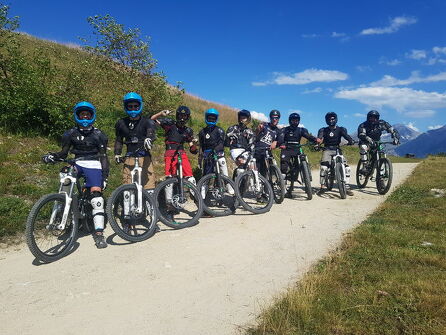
{"points": [[170, 164]]}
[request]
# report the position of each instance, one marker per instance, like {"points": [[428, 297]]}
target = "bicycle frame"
{"points": [[375, 155], [137, 170]]}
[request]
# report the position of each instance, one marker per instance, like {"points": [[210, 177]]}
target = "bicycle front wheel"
{"points": [[46, 238], [218, 193], [361, 179], [305, 173], [125, 219], [178, 206], [255, 194], [384, 176], [340, 179], [277, 183]]}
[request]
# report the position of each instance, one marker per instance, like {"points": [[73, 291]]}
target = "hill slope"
{"points": [[431, 142]]}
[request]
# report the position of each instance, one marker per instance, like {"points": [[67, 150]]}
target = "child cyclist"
{"points": [[240, 140], [212, 138], [177, 133], [89, 146]]}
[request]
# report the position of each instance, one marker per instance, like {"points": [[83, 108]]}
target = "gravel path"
{"points": [[213, 278]]}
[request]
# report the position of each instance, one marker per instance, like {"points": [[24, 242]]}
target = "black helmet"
{"points": [[329, 118], [373, 116], [182, 114], [244, 113], [274, 114], [294, 116]]}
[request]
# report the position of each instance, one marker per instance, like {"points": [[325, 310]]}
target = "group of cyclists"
{"points": [[138, 133]]}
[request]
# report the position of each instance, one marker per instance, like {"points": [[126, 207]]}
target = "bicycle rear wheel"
{"points": [[124, 219], [219, 198], [255, 199], [361, 179], [305, 173], [46, 240], [340, 179], [277, 183], [178, 207], [384, 175]]}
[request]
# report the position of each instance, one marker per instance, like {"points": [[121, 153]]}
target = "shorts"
{"points": [[91, 171], [170, 164]]}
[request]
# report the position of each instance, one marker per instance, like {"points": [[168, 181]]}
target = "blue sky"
{"points": [[311, 57]]}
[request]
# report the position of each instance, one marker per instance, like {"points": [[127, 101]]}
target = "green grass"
{"points": [[387, 277]]}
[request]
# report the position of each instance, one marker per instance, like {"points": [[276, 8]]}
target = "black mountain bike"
{"points": [[130, 209], [274, 177], [377, 161], [177, 200], [217, 190], [299, 167], [53, 223]]}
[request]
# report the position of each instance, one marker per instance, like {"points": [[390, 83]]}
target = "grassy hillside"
{"points": [[387, 277]]}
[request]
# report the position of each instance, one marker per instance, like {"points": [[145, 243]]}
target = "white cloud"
{"points": [[259, 116], [363, 68], [402, 99], [395, 25], [439, 50], [304, 77], [417, 54], [359, 115], [438, 126], [415, 77], [335, 34], [259, 83], [314, 90], [309, 35], [420, 114], [411, 125], [393, 62]]}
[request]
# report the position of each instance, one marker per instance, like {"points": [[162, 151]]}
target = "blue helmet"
{"points": [[211, 116], [82, 106], [132, 96]]}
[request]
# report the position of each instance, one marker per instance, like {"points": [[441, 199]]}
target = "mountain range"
{"points": [[430, 142]]}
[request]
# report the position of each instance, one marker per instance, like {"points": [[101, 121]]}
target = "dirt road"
{"points": [[209, 279]]}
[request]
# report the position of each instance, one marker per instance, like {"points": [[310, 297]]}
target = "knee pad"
{"points": [[98, 212], [223, 166], [323, 173]]}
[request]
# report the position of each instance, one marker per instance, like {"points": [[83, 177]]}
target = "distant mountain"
{"points": [[407, 133], [431, 142]]}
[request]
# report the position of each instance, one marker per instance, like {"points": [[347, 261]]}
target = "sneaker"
{"points": [[99, 241], [349, 192], [322, 190]]}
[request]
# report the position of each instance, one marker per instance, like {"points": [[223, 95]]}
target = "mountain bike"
{"points": [[336, 171], [217, 190], [376, 161], [130, 208], [177, 200], [53, 223], [299, 166], [274, 177], [253, 190]]}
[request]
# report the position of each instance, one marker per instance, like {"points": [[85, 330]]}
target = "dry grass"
{"points": [[387, 277]]}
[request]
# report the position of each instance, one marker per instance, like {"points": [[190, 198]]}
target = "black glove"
{"points": [[49, 158]]}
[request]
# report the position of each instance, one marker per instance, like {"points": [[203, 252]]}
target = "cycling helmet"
{"points": [[84, 106], [211, 116], [294, 116], [331, 118], [133, 97], [373, 116], [244, 113], [182, 114], [274, 114]]}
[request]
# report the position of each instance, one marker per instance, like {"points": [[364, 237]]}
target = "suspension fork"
{"points": [[180, 174], [138, 183]]}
